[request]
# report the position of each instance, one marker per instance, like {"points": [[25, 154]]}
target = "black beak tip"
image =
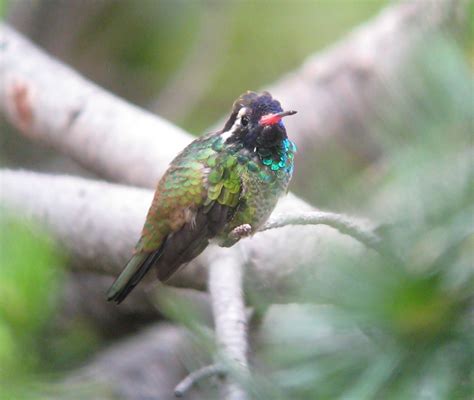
{"points": [[289, 112]]}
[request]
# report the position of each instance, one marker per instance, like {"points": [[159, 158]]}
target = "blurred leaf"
{"points": [[3, 8], [29, 279], [28, 276], [268, 39]]}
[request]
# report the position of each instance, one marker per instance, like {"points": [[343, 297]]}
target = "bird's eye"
{"points": [[244, 121]]}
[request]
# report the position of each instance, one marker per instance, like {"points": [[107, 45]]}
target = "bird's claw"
{"points": [[241, 231]]}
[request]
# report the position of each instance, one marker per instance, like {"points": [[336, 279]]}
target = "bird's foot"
{"points": [[241, 231]]}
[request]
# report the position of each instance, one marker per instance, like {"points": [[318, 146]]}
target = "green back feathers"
{"points": [[224, 183]]}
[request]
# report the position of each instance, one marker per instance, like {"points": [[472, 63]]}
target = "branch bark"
{"points": [[52, 104], [203, 373], [345, 225], [226, 289]]}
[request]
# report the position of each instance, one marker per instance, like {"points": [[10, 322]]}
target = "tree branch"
{"points": [[225, 287], [344, 224], [50, 103], [194, 377], [98, 223]]}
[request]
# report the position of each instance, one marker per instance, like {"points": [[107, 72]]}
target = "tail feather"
{"points": [[133, 272], [177, 249]]}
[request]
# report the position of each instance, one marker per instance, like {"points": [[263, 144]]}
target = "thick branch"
{"points": [[51, 103], [98, 223]]}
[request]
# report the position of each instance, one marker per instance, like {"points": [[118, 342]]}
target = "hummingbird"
{"points": [[221, 184]]}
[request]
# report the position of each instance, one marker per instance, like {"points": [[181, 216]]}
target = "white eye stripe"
{"points": [[238, 120], [242, 112], [237, 124]]}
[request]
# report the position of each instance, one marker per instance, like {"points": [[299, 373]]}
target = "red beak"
{"points": [[272, 119]]}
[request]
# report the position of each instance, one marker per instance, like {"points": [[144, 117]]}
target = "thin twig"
{"points": [[344, 224], [198, 375]]}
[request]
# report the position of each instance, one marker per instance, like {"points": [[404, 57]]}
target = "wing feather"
{"points": [[194, 200]]}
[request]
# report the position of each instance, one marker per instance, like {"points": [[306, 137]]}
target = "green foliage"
{"points": [[382, 329], [268, 39], [468, 34], [3, 8], [71, 345], [144, 41], [29, 279]]}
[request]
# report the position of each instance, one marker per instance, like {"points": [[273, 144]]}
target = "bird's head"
{"points": [[256, 121]]}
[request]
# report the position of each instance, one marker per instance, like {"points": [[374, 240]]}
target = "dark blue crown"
{"points": [[260, 103]]}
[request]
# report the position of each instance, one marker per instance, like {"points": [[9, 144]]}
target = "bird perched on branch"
{"points": [[222, 186]]}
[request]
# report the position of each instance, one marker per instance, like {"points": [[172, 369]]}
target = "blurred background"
{"points": [[369, 329]]}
